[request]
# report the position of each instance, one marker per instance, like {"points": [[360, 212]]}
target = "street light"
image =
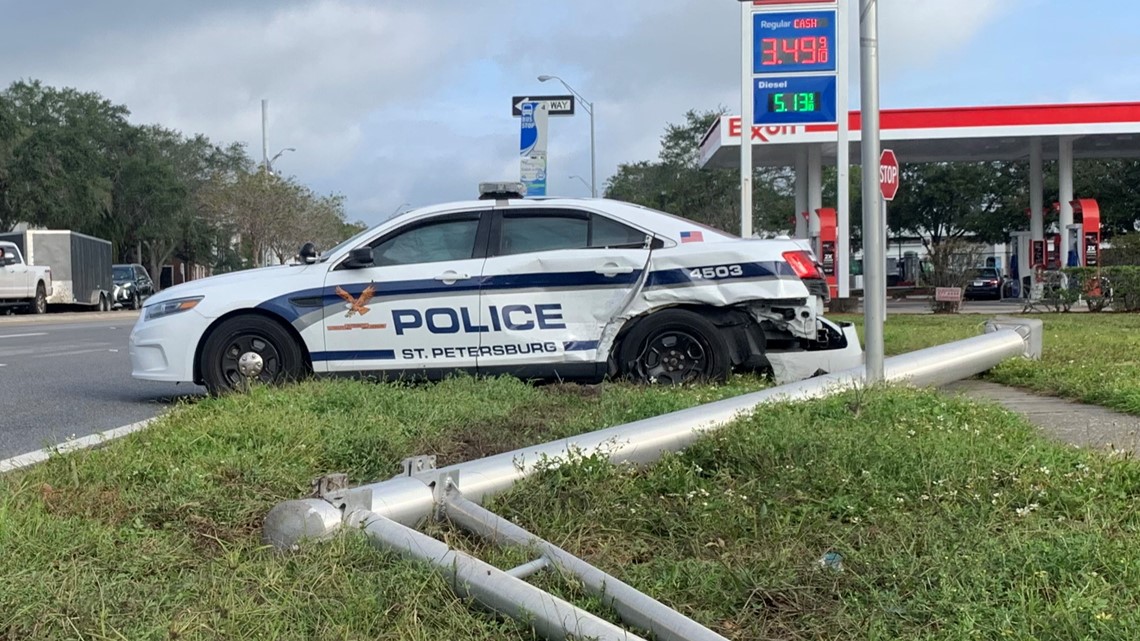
{"points": [[589, 107], [583, 181], [269, 164]]}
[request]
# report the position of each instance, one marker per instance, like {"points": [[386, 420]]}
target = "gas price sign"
{"points": [[802, 99], [793, 41]]}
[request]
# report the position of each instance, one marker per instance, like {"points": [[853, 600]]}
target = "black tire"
{"points": [[282, 358], [672, 347], [136, 302], [39, 303]]}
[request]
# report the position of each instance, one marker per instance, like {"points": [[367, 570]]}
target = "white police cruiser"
{"points": [[579, 289]]}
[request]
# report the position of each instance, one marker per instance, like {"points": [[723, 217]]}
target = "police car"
{"points": [[579, 289]]}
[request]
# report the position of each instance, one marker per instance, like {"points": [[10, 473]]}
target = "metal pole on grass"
{"points": [[874, 258]]}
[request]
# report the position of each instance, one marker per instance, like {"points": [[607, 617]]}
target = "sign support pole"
{"points": [[874, 259], [746, 117], [843, 160]]}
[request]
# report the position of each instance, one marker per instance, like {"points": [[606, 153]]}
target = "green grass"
{"points": [[156, 536], [1092, 358], [953, 520]]}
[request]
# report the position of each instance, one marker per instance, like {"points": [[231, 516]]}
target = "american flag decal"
{"points": [[692, 237]]}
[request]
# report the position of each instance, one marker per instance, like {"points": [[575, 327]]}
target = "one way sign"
{"points": [[556, 105]]}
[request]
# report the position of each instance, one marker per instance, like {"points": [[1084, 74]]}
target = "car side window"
{"points": [[433, 241], [554, 229], [543, 232], [606, 232]]}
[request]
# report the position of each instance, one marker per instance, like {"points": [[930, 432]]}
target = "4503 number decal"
{"points": [[719, 271]]}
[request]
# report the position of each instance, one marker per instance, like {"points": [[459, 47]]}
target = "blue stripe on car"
{"points": [[282, 305], [683, 275], [354, 355]]}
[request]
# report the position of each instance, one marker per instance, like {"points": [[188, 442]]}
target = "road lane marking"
{"points": [[23, 335], [99, 438], [74, 352]]}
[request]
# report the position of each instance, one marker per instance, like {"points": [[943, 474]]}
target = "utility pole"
{"points": [[264, 134]]}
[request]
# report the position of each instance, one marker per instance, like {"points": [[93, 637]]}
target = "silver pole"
{"points": [[265, 134], [874, 258], [746, 97], [843, 156], [551, 617], [409, 499], [593, 163], [633, 606]]}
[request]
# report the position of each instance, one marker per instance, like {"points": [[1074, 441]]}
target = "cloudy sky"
{"points": [[408, 101]]}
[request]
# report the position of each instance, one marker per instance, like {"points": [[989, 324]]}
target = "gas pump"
{"points": [[1085, 237], [1076, 236], [1053, 258], [825, 245]]}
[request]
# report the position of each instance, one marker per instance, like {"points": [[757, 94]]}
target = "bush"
{"points": [[1117, 286]]}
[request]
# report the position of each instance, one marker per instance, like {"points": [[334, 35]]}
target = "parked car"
{"points": [[22, 286], [579, 289], [132, 285], [986, 283]]}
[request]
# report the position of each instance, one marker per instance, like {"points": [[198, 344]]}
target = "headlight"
{"points": [[166, 308]]}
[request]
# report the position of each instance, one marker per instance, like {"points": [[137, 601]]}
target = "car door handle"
{"points": [[449, 277], [613, 269]]}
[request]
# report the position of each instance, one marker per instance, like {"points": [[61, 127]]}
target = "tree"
{"points": [[677, 184], [943, 201], [273, 215], [60, 149]]}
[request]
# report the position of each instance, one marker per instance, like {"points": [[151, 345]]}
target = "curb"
{"points": [[91, 440]]}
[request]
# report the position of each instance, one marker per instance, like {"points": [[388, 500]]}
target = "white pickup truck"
{"points": [[22, 285]]}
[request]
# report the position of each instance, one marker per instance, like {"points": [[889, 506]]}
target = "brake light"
{"points": [[802, 264]]}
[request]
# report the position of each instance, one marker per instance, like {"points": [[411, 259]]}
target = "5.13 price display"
{"points": [[800, 101]]}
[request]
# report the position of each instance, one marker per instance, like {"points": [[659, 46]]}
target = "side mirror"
{"points": [[360, 257], [308, 253]]}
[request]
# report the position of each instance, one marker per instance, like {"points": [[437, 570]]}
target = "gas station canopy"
{"points": [[1097, 130]]}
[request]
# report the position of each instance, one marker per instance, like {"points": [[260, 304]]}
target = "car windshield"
{"points": [[986, 273], [121, 273]]}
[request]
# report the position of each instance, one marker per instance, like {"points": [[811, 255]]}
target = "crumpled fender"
{"points": [[716, 274]]}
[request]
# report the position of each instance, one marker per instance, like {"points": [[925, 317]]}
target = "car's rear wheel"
{"points": [[249, 349], [39, 303], [672, 347]]}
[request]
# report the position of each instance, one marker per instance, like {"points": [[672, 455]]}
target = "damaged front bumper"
{"points": [[842, 351]]}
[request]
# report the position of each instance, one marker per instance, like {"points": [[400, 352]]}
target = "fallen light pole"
{"points": [[389, 510]]}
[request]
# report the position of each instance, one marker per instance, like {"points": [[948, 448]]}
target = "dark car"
{"points": [[132, 285], [985, 283]]}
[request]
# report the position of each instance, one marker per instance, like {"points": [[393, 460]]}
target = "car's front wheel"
{"points": [[248, 349], [675, 346]]}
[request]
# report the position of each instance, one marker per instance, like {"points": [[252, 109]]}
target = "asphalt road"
{"points": [[70, 375]]}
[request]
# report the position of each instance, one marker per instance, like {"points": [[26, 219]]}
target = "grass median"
{"points": [[953, 520], [949, 520], [1092, 358]]}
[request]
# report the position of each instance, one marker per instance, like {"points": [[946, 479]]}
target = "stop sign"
{"points": [[888, 174]]}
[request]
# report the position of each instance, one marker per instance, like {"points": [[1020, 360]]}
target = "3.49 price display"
{"points": [[793, 41], [808, 50]]}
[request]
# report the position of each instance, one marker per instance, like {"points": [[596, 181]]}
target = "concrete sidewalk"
{"points": [[1082, 425]]}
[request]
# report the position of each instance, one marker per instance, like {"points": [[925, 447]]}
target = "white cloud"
{"points": [[406, 101]]}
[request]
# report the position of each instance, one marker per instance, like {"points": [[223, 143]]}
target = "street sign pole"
{"points": [[843, 160], [746, 97], [874, 257]]}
